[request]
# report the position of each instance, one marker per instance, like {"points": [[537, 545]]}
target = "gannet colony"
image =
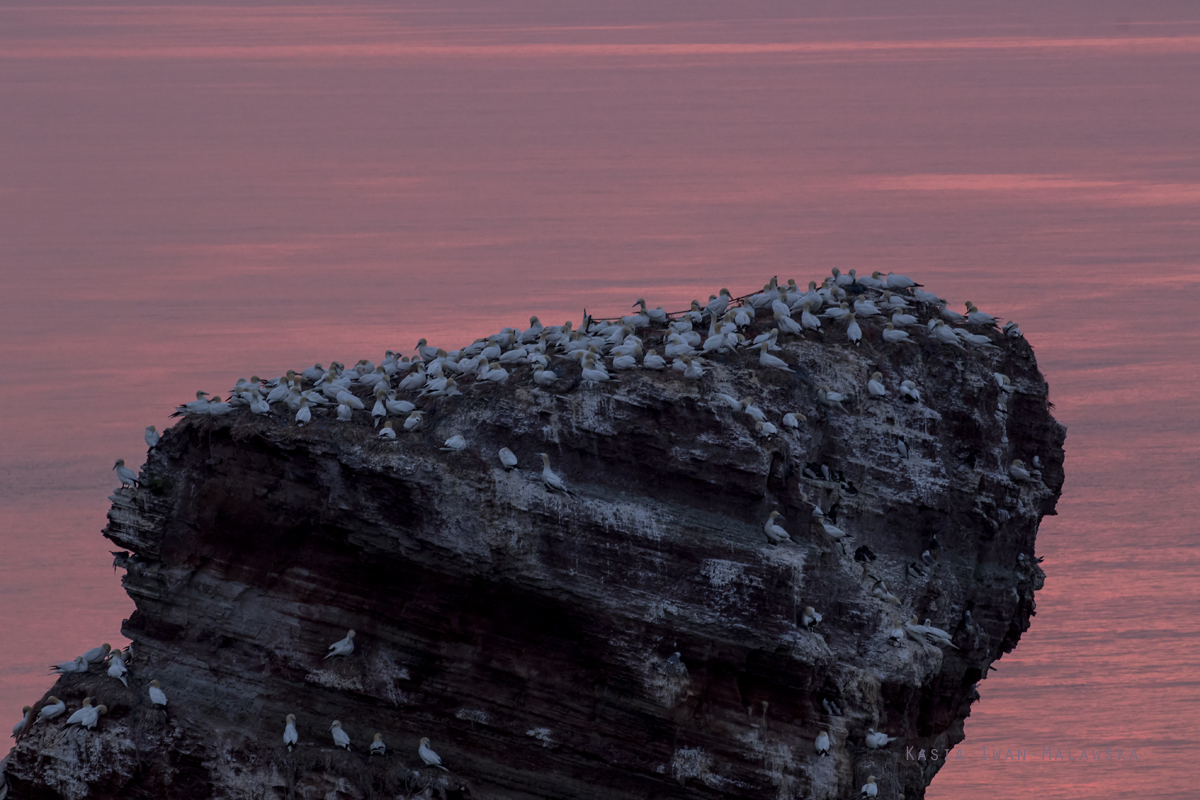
{"points": [[768, 547]]}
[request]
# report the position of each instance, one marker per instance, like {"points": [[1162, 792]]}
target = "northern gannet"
{"points": [[718, 303], [257, 404], [691, 368], [340, 739], [426, 352], [152, 437], [890, 334], [414, 380], [1017, 470], [346, 399], [290, 737], [430, 758], [551, 479], [455, 444], [97, 653], [128, 477], [768, 360], [1003, 381], [543, 377], [810, 617], [594, 372], [344, 413], [896, 637], [1037, 462], [865, 308], [902, 320], [304, 413], [829, 398], [653, 361], [869, 788], [945, 334], [492, 373], [197, 406], [52, 709], [876, 740], [116, 667], [747, 405], [24, 724], [902, 448], [875, 385], [977, 339], [977, 317], [378, 748], [853, 331], [893, 301], [67, 667], [787, 324], [953, 316], [793, 419], [880, 590], [387, 431], [838, 312], [908, 390], [765, 429], [775, 534], [531, 334], [926, 297], [809, 320], [625, 362], [938, 635], [822, 744], [508, 458], [397, 407], [414, 420], [894, 281], [1012, 330], [157, 696], [88, 716], [342, 647]]}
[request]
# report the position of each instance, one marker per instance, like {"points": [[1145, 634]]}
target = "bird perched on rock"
{"points": [[87, 717], [902, 449], [97, 654], [508, 459], [157, 696], [152, 437], [775, 534], [550, 478], [116, 667], [387, 431], [908, 390], [455, 444], [342, 647], [765, 429], [24, 724], [128, 477], [869, 788], [896, 637], [877, 740], [430, 758], [880, 590], [810, 617], [1017, 470], [378, 748], [829, 398], [52, 709], [774, 362], [340, 738], [67, 667], [793, 420], [290, 737], [875, 386], [822, 744]]}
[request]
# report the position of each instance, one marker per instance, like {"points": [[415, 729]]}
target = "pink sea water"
{"points": [[189, 195]]}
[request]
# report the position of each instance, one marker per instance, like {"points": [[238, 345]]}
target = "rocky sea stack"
{"points": [[530, 633]]}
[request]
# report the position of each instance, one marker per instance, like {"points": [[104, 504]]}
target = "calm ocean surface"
{"points": [[192, 195]]}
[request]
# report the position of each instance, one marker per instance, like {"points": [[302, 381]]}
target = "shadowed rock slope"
{"points": [[527, 632]]}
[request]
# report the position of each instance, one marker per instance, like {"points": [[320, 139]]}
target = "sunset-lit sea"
{"points": [[189, 195]]}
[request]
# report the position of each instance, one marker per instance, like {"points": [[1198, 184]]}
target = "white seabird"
{"points": [[875, 386], [765, 429], [890, 334], [88, 716], [896, 637], [378, 748], [455, 444], [340, 739], [345, 398], [908, 390], [869, 788], [303, 413], [152, 437], [79, 715], [67, 667], [414, 420], [768, 360], [24, 724], [877, 740], [342, 647], [775, 534], [1017, 470], [550, 478], [810, 617], [430, 758], [52, 709], [822, 744], [290, 737], [653, 360], [97, 653], [880, 590], [116, 667], [128, 477], [344, 413], [157, 696], [507, 458], [793, 420], [830, 398], [853, 331], [387, 431]]}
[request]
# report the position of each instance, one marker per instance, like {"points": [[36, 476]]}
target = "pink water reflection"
{"points": [[192, 195]]}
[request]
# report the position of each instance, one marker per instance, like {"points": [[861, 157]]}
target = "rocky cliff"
{"points": [[529, 633]]}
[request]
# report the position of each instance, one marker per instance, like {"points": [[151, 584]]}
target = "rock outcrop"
{"points": [[528, 633]]}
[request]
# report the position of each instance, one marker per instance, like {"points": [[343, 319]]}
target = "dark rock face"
{"points": [[527, 632]]}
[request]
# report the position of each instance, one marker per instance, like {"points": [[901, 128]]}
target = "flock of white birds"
{"points": [[892, 306]]}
